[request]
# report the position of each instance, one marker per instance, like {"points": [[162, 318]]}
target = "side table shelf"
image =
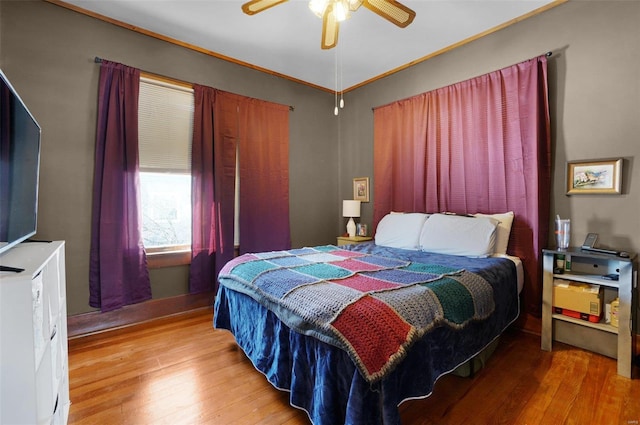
{"points": [[347, 240], [603, 338]]}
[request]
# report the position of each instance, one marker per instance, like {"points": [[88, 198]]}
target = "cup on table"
{"points": [[563, 228]]}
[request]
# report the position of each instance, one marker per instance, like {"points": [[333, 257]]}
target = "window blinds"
{"points": [[165, 126]]}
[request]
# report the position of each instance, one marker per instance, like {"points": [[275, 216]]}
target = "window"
{"points": [[165, 130]]}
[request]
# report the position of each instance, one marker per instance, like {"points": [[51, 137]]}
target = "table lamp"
{"points": [[351, 209]]}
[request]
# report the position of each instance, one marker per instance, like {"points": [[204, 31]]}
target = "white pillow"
{"points": [[502, 232], [459, 235], [400, 230]]}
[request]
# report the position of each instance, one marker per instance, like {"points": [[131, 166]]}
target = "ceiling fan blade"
{"points": [[392, 11], [330, 28], [354, 4], [255, 6]]}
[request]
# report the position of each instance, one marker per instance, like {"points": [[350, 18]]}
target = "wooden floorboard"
{"points": [[180, 370]]}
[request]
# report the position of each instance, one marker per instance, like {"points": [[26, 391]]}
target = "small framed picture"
{"points": [[594, 177], [361, 229], [361, 189]]}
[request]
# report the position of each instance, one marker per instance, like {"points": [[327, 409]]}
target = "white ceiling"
{"points": [[286, 38]]}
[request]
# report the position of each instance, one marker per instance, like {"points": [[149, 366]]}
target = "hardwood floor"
{"points": [[180, 370]]}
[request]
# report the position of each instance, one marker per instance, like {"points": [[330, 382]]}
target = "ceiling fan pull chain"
{"points": [[341, 81], [336, 110]]}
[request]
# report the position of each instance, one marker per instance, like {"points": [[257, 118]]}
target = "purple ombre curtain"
{"points": [[482, 145], [213, 166], [118, 272]]}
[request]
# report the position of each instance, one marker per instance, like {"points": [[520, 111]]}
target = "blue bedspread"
{"points": [[325, 381]]}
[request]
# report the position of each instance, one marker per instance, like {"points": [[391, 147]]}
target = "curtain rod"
{"points": [[548, 54], [98, 59]]}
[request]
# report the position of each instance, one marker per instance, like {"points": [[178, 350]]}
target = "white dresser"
{"points": [[34, 372]]}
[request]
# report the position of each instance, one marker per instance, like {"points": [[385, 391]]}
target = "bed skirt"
{"points": [[322, 380]]}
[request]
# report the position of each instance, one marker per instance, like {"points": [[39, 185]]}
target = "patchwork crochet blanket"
{"points": [[373, 307]]}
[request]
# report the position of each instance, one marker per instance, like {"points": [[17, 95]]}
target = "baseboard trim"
{"points": [[84, 324]]}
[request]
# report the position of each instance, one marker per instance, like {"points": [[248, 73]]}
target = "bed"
{"points": [[352, 332]]}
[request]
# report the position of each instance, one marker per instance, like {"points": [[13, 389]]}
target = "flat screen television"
{"points": [[19, 168]]}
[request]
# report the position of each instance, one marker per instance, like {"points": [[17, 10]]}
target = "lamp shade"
{"points": [[350, 208]]}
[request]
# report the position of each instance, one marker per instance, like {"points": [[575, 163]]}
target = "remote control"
{"points": [[622, 254]]}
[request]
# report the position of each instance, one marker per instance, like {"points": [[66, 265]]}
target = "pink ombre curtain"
{"points": [[264, 176], [222, 121], [482, 145]]}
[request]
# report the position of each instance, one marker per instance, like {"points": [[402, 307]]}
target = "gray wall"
{"points": [[47, 52], [594, 78]]}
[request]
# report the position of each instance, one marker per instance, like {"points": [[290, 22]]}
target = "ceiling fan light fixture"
{"points": [[340, 8], [318, 7]]}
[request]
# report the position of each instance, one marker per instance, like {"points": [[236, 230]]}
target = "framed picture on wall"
{"points": [[594, 177], [361, 189]]}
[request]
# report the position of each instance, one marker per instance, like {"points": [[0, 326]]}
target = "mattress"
{"points": [[519, 269]]}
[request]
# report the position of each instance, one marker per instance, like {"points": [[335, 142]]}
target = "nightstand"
{"points": [[601, 337], [346, 240]]}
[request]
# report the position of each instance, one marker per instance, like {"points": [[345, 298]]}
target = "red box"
{"points": [[577, 315]]}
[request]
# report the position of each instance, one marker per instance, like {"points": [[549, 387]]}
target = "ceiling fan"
{"points": [[333, 12]]}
